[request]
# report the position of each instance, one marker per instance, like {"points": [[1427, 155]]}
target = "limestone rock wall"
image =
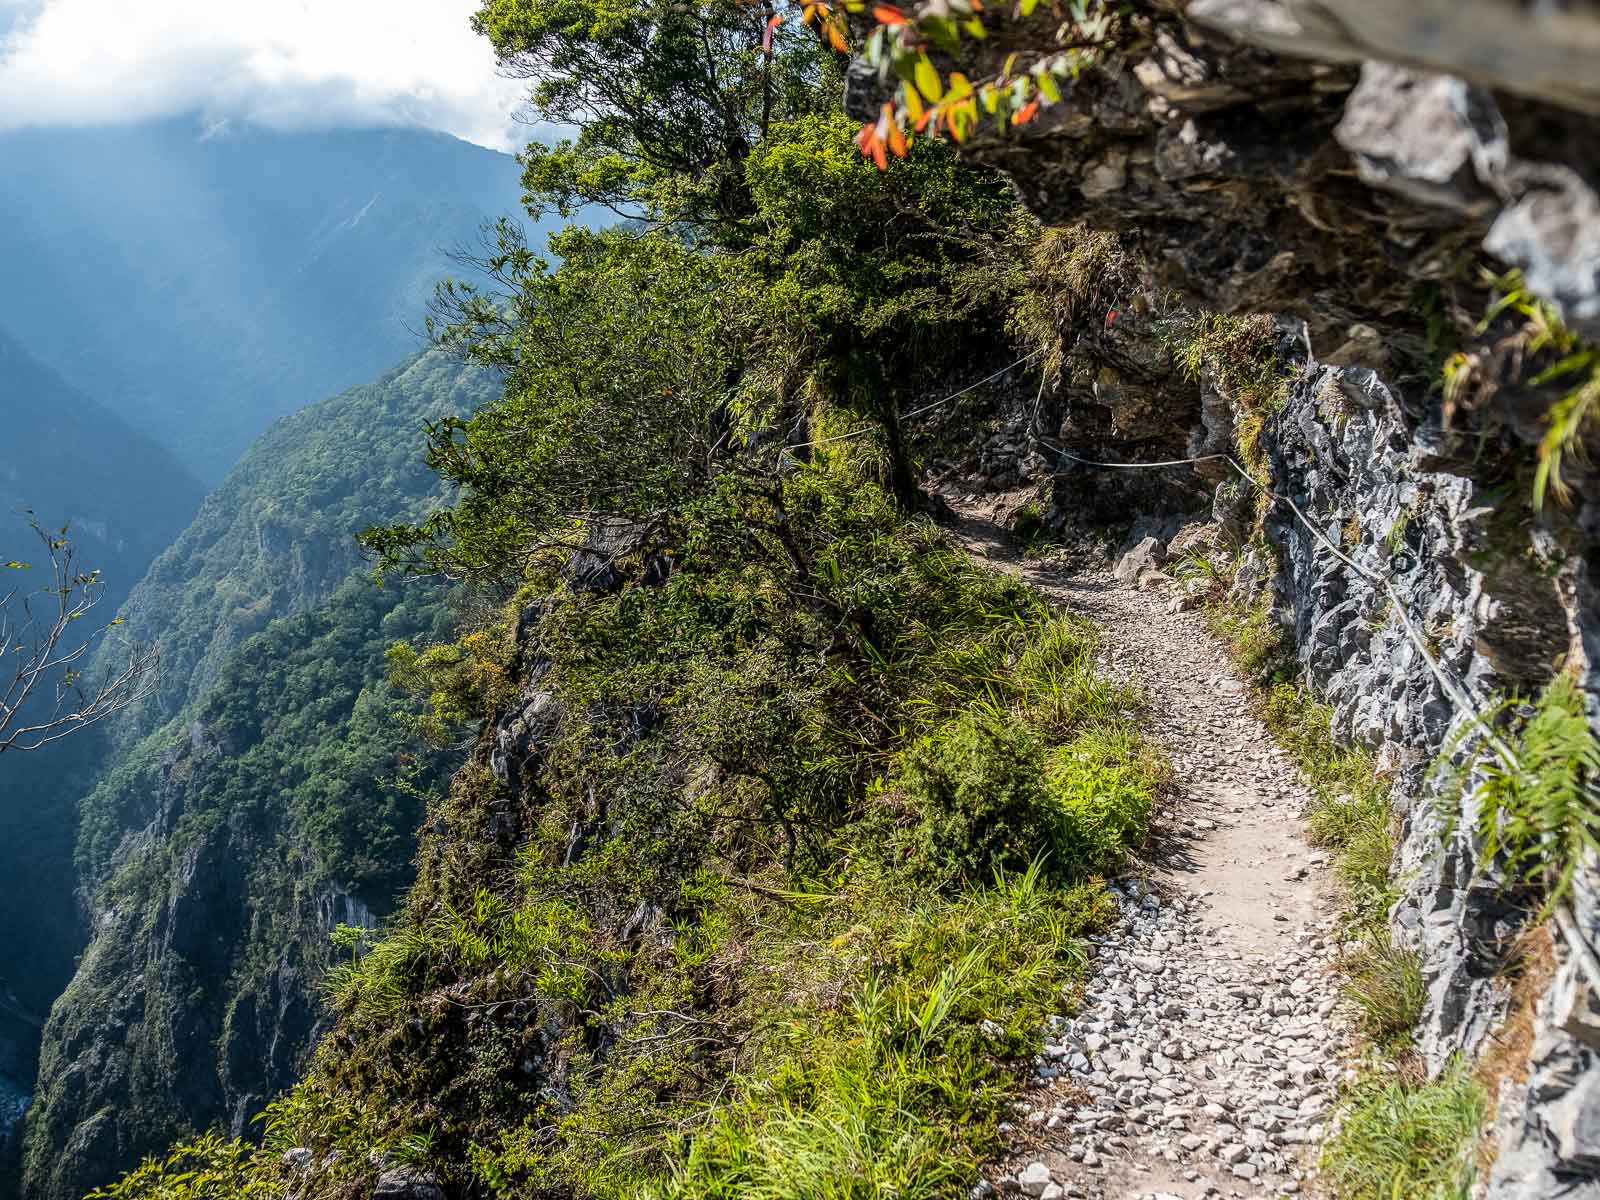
{"points": [[1495, 597]]}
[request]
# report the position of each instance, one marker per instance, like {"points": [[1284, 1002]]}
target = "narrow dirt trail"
{"points": [[1206, 1054]]}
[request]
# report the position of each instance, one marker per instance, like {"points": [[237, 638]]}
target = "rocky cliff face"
{"points": [[278, 811], [128, 1037], [1498, 600], [1355, 167], [256, 801]]}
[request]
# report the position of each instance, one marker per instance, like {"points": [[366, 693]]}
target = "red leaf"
{"points": [[766, 38], [878, 155], [888, 14], [897, 141], [1026, 113]]}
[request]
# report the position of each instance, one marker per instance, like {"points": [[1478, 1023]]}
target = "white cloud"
{"points": [[283, 63]]}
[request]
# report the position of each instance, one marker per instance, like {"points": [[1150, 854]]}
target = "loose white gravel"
{"points": [[1211, 1040]]}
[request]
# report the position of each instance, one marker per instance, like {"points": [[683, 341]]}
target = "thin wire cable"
{"points": [[1452, 687], [917, 412], [1583, 954], [927, 408]]}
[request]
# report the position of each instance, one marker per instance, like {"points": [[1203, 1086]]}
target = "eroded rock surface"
{"points": [[1323, 157]]}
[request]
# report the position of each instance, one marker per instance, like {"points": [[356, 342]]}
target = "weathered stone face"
{"points": [[1545, 51], [1244, 149]]}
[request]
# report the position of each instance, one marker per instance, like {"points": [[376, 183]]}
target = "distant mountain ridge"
{"points": [[73, 461], [217, 281]]}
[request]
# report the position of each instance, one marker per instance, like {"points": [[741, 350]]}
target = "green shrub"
{"points": [[1104, 783], [382, 982], [206, 1167], [977, 785], [989, 795]]}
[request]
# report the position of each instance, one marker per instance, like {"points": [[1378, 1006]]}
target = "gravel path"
{"points": [[1209, 1046]]}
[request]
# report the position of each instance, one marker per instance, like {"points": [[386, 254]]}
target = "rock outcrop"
{"points": [[1493, 593], [1260, 170]]}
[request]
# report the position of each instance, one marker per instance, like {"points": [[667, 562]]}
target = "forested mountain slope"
{"points": [[278, 536], [123, 499], [238, 272], [284, 745], [281, 806]]}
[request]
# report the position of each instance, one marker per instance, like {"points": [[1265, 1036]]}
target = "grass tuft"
{"points": [[1400, 1138], [1384, 983], [1257, 642], [843, 1112]]}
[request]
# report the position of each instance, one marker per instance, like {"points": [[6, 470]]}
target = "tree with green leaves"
{"points": [[668, 100], [645, 365], [618, 368], [882, 281], [785, 272]]}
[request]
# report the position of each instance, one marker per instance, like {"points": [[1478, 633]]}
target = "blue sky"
{"points": [[284, 63]]}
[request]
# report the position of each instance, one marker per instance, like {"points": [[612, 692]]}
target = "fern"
{"points": [[1538, 805], [1570, 417]]}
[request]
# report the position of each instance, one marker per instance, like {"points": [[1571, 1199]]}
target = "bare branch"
{"points": [[44, 642]]}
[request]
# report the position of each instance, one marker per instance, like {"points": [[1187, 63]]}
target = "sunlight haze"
{"points": [[292, 65]]}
